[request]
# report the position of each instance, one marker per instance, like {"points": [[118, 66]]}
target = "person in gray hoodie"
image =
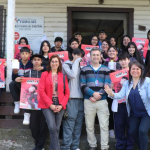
{"points": [[72, 125]]}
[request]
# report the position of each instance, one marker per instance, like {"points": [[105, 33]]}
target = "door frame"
{"points": [[128, 11]]}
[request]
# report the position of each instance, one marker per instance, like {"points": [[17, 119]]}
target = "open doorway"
{"points": [[90, 24], [89, 21]]}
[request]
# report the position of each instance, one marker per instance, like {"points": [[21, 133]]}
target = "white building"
{"points": [[116, 17]]}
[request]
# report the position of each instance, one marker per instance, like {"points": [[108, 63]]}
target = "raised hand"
{"points": [[108, 91], [15, 71], [19, 79]]}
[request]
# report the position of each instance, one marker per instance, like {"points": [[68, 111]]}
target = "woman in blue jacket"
{"points": [[136, 90]]}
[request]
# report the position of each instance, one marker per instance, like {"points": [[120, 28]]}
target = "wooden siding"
{"points": [[55, 13]]}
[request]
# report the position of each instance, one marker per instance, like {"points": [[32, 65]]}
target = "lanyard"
{"points": [[96, 74]]}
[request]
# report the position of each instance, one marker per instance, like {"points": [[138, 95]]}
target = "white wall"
{"points": [[55, 13]]}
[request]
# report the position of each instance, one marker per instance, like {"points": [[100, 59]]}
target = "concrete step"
{"points": [[21, 139]]}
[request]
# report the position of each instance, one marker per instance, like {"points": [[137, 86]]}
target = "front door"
{"points": [[89, 21]]}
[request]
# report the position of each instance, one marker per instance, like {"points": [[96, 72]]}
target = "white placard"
{"points": [[32, 28], [112, 65], [15, 64]]}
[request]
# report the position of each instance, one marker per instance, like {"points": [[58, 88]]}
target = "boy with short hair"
{"points": [[73, 44], [101, 36], [38, 123], [78, 36], [121, 119], [58, 43], [15, 86]]}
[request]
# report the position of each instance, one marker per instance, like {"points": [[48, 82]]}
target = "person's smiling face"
{"points": [[135, 71], [95, 57], [112, 53]]}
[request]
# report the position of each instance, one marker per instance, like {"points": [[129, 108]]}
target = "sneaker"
{"points": [[111, 134], [26, 120], [17, 107]]}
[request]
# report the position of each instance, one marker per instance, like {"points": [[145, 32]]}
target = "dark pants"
{"points": [[122, 129], [139, 129], [15, 88], [53, 121], [38, 128], [111, 117]]}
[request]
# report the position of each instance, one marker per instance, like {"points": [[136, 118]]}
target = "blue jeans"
{"points": [[72, 126], [139, 129], [53, 121]]}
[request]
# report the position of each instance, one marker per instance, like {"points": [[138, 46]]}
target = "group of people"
{"points": [[68, 93]]}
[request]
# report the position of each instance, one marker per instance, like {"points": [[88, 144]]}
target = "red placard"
{"points": [[87, 48], [2, 73], [63, 55], [29, 94], [142, 45], [118, 78], [17, 50], [87, 59]]}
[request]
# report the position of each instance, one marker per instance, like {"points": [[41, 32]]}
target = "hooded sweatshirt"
{"points": [[73, 74], [22, 69]]}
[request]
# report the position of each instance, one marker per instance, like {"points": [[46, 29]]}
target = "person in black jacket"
{"points": [[78, 36], [73, 44], [15, 86], [124, 43], [148, 52], [58, 42], [44, 50], [38, 123]]}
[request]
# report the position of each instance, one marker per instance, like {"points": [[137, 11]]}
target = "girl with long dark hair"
{"points": [[45, 48], [134, 53], [124, 43]]}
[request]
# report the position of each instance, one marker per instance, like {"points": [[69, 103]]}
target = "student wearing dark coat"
{"points": [[58, 43], [45, 48]]}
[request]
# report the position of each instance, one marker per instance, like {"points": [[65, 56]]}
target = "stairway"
{"points": [[15, 136]]}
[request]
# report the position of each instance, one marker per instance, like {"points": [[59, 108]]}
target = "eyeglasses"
{"points": [[105, 44]]}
